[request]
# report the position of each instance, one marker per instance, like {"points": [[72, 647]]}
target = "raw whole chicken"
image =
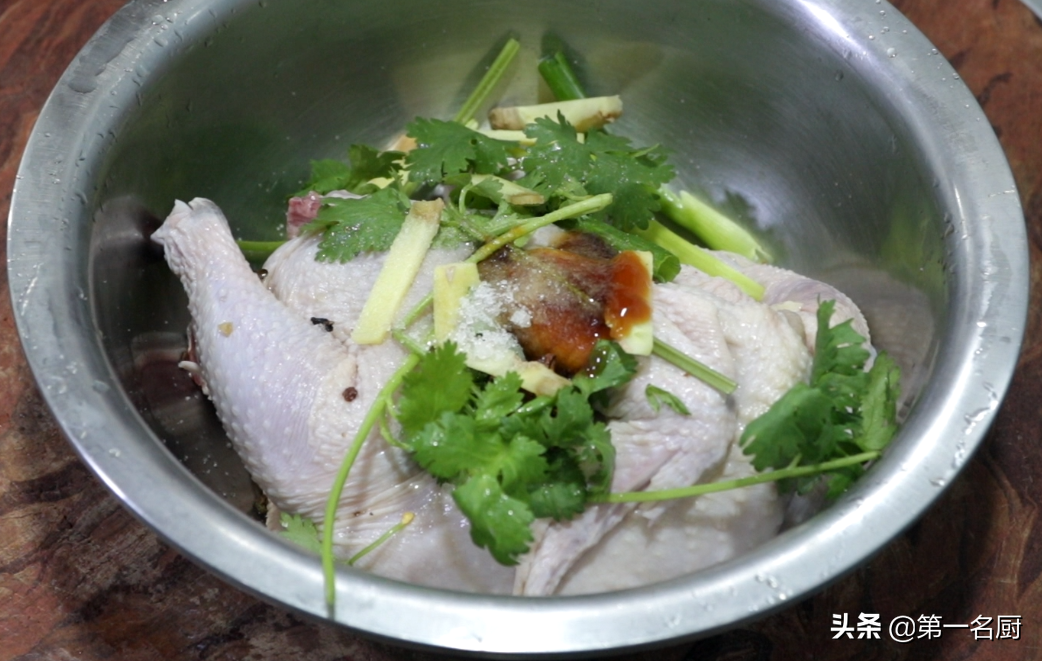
{"points": [[291, 389]]}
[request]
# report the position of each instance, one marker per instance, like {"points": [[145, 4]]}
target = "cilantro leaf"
{"points": [[497, 521], [300, 531], [797, 425], [838, 351], [328, 175], [657, 397], [839, 481], [354, 226], [560, 164], [596, 458], [499, 398], [556, 158], [458, 445], [441, 383], [488, 191], [635, 203], [610, 367], [511, 457], [842, 412], [559, 501], [879, 407], [453, 446], [520, 463], [368, 163], [566, 424], [563, 494], [449, 148]]}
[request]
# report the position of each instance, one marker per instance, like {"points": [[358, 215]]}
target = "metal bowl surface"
{"points": [[832, 126]]}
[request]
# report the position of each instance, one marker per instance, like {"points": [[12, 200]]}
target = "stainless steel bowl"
{"points": [[831, 125]]}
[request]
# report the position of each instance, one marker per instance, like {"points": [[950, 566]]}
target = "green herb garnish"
{"points": [[844, 411], [512, 459], [447, 148], [828, 429], [560, 164], [354, 226], [300, 531], [366, 163], [657, 398]]}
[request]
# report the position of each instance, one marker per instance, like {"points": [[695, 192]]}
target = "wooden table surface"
{"points": [[81, 579]]}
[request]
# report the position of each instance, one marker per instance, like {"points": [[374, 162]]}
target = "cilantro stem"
{"points": [[385, 432], [488, 81], [407, 518], [462, 221], [700, 258], [715, 229], [582, 207], [693, 367], [257, 251], [416, 312], [372, 417], [403, 338], [727, 485]]}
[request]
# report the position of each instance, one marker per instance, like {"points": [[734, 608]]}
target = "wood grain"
{"points": [[81, 579]]}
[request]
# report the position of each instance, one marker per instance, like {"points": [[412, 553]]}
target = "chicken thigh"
{"points": [[292, 396]]}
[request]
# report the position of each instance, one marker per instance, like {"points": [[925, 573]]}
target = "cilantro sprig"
{"points": [[844, 411], [561, 164], [448, 148], [352, 226], [826, 430], [511, 459], [364, 164], [300, 531]]}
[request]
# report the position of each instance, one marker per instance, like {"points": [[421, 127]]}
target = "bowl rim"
{"points": [[987, 318]]}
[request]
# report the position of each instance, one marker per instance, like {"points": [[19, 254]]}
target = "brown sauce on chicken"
{"points": [[575, 293]]}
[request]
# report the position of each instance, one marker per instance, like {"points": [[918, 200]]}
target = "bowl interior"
{"points": [[762, 117], [823, 125]]}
